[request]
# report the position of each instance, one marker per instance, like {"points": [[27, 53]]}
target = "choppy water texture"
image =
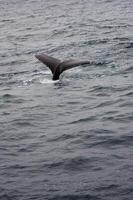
{"points": [[71, 139]]}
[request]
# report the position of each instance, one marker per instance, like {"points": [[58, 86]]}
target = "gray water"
{"points": [[71, 139]]}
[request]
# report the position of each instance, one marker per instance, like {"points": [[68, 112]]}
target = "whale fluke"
{"points": [[56, 66]]}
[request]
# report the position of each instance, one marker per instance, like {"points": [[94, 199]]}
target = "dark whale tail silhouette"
{"points": [[56, 66]]}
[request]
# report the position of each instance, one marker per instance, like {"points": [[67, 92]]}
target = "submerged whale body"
{"points": [[56, 66]]}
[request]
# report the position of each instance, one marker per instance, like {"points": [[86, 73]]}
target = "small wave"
{"points": [[75, 197], [8, 21], [61, 138], [99, 88], [23, 123], [127, 94], [129, 45], [103, 188], [121, 118], [86, 119], [103, 104], [126, 104], [14, 62], [6, 197], [126, 70], [9, 76], [121, 38], [77, 164], [95, 42], [129, 69], [109, 142], [9, 98]]}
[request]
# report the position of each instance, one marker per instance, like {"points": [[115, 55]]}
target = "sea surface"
{"points": [[70, 139]]}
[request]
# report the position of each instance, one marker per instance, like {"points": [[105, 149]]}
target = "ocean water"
{"points": [[70, 139]]}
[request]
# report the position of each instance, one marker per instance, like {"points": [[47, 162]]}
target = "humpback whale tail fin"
{"points": [[56, 66], [49, 61]]}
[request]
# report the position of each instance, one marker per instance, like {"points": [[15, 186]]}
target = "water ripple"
{"points": [[70, 139]]}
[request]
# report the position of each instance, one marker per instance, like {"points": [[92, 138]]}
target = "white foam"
{"points": [[45, 72], [27, 82], [42, 72], [47, 81]]}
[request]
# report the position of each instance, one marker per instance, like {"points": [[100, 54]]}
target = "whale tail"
{"points": [[56, 66]]}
